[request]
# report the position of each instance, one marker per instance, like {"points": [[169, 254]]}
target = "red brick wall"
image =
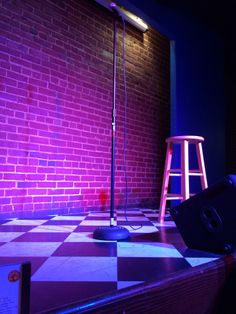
{"points": [[56, 107]]}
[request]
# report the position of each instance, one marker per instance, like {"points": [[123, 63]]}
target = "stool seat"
{"points": [[190, 138], [184, 172]]}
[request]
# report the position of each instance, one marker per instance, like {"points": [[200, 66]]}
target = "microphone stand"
{"points": [[112, 232]]}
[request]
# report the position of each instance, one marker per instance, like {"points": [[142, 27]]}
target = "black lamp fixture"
{"points": [[125, 15]]}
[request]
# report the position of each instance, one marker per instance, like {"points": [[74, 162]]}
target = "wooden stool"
{"points": [[184, 172]]}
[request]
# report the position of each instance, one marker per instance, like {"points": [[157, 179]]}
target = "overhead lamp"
{"points": [[126, 15]]}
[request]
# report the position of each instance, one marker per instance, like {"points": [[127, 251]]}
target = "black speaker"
{"points": [[207, 220]]}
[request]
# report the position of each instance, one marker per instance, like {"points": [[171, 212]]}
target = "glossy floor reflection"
{"points": [[69, 265]]}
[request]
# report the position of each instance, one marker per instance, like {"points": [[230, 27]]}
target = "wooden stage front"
{"points": [[207, 288]]}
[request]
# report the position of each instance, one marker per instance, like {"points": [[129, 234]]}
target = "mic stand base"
{"points": [[111, 233]]}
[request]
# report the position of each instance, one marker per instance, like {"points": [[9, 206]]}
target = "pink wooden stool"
{"points": [[184, 172]]}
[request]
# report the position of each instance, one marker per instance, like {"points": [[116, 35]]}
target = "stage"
{"points": [[69, 266]]}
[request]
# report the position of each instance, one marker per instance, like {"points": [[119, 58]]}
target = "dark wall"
{"points": [[230, 83], [197, 101]]}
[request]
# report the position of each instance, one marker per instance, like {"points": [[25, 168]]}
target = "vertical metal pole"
{"points": [[113, 131], [112, 232]]}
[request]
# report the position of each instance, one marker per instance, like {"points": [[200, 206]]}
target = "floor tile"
{"points": [[135, 224], [24, 222], [90, 229], [99, 218], [57, 228], [68, 218], [145, 237], [5, 228], [86, 249], [133, 218], [28, 248], [58, 268], [36, 262], [195, 261], [9, 236], [82, 237], [188, 252], [173, 237], [99, 214], [146, 269], [141, 229], [42, 237], [125, 284], [148, 249], [95, 223], [121, 212], [61, 222], [165, 224]]}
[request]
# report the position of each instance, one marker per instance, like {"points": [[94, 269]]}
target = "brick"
{"points": [[6, 209], [13, 176], [25, 169], [55, 177], [42, 199], [26, 184], [7, 168], [5, 200], [37, 192], [21, 200], [35, 177], [56, 107], [46, 170], [11, 192]]}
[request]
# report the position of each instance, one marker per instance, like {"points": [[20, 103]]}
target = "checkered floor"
{"points": [[69, 265]]}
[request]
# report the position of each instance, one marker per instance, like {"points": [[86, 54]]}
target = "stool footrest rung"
{"points": [[174, 174], [174, 197], [178, 172]]}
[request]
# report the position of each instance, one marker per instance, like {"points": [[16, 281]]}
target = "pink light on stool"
{"points": [[184, 172]]}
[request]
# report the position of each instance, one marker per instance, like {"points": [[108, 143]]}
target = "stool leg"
{"points": [[165, 183], [184, 170], [201, 165]]}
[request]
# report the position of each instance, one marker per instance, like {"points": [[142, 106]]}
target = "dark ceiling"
{"points": [[217, 15]]}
